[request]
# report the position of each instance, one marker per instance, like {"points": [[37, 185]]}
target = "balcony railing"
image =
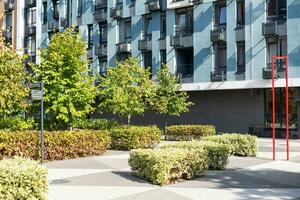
{"points": [[219, 74], [218, 34], [124, 47], [183, 31], [146, 43], [30, 30], [53, 25], [185, 73], [30, 3], [9, 5], [153, 5], [101, 50], [116, 12], [280, 67], [100, 15]]}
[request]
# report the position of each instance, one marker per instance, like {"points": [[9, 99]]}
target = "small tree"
{"points": [[169, 100], [126, 89], [13, 77], [69, 90]]}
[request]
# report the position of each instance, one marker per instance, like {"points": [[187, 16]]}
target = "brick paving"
{"points": [[108, 178]]}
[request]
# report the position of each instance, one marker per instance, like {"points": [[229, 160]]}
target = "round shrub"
{"points": [[22, 179], [189, 132], [239, 144], [59, 145], [134, 137], [218, 154], [16, 123], [165, 166]]}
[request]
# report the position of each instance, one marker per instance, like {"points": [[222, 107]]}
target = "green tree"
{"points": [[13, 91], [69, 90], [169, 100], [126, 89]]}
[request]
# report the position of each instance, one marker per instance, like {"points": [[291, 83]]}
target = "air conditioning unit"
{"points": [[270, 29], [124, 47], [153, 5]]}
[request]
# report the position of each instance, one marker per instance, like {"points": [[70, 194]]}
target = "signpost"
{"points": [[37, 93], [274, 58]]}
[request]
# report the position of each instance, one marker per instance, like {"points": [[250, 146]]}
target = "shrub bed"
{"points": [[239, 144], [218, 154], [58, 145], [16, 123], [133, 137], [164, 166], [22, 179], [189, 132], [95, 124]]}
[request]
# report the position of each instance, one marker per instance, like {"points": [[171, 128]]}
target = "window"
{"points": [[90, 36], [128, 31], [220, 57], [148, 61], [240, 13], [30, 16], [241, 57], [220, 13], [55, 9], [79, 4], [45, 12], [276, 9], [102, 67], [102, 33], [163, 25], [184, 21], [30, 44], [147, 26], [276, 47]]}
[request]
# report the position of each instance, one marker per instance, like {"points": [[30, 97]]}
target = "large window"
{"points": [[280, 108], [147, 56], [30, 44], [79, 4], [90, 36], [147, 26], [276, 47], [55, 9], [241, 57], [45, 13], [220, 56], [276, 9], [128, 30], [220, 13], [240, 13], [163, 57], [163, 25], [184, 21], [30, 16], [102, 33]]}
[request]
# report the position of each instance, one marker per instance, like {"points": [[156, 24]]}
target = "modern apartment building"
{"points": [[220, 49]]}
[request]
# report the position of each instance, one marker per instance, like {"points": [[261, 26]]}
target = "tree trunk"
{"points": [[165, 126], [70, 122], [128, 119]]}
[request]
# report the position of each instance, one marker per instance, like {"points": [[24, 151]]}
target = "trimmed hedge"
{"points": [[134, 137], [189, 132], [95, 124], [218, 154], [239, 144], [58, 145], [165, 166], [16, 123], [22, 179]]}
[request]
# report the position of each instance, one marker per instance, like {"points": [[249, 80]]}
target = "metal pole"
{"points": [[287, 108], [42, 125], [273, 104]]}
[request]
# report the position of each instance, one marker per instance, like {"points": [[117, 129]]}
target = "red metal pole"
{"points": [[287, 107], [273, 104]]}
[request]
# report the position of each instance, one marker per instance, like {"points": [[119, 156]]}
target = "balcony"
{"points": [[100, 15], [9, 5], [280, 66], [53, 25], [183, 37], [30, 30], [64, 22], [174, 4], [145, 44], [101, 51], [116, 12], [240, 34], [218, 75], [185, 73], [274, 28], [89, 52], [124, 47], [30, 3], [218, 34], [153, 5]]}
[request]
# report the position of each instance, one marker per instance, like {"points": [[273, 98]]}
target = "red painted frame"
{"points": [[286, 106]]}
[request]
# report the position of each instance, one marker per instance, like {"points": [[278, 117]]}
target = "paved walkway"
{"points": [[108, 178]]}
